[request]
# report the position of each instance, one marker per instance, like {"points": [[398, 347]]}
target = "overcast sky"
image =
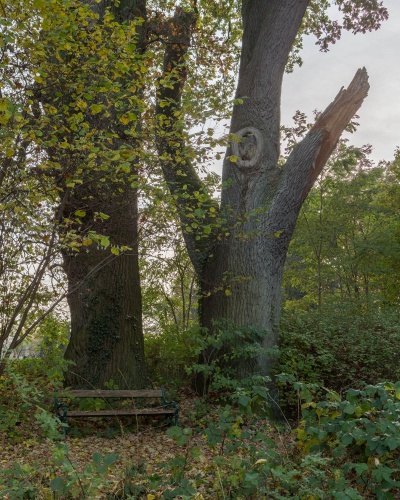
{"points": [[316, 83]]}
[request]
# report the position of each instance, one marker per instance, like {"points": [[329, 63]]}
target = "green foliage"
{"points": [[83, 483], [346, 237], [27, 386], [132, 486], [345, 447], [48, 345], [360, 431], [357, 17], [24, 403], [20, 481], [17, 483], [169, 294], [244, 462], [339, 347], [169, 354], [349, 448], [228, 357], [53, 336]]}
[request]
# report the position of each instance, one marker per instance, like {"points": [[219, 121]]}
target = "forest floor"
{"points": [[145, 460], [217, 452]]}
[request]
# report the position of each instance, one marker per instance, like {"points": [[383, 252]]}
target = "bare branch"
{"points": [[336, 117], [309, 157], [190, 194]]}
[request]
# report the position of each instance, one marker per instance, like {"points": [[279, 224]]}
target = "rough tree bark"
{"points": [[106, 328], [240, 266]]}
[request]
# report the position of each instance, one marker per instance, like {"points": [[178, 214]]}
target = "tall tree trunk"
{"points": [[105, 302], [240, 263]]}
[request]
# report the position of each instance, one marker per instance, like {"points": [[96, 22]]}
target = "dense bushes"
{"points": [[169, 355], [346, 444], [339, 348], [344, 447]]}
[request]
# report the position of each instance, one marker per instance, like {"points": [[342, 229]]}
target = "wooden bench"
{"points": [[166, 408]]}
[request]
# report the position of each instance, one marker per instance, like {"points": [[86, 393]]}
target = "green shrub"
{"points": [[24, 404], [169, 354], [229, 355], [339, 348], [361, 432], [48, 358], [244, 462]]}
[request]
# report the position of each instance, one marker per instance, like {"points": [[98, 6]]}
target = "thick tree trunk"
{"points": [[241, 287], [242, 280], [105, 303]]}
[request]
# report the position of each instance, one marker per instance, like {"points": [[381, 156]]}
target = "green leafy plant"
{"points": [[17, 483], [360, 431], [84, 483], [24, 402], [340, 347], [222, 352], [170, 353]]}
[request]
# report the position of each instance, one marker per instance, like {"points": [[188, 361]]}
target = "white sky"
{"points": [[316, 83]]}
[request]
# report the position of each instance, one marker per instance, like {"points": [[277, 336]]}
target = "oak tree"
{"points": [[240, 260]]}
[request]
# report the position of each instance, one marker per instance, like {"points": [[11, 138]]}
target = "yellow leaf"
{"points": [[81, 104], [3, 105], [115, 250], [228, 292], [260, 461], [96, 108], [150, 496], [87, 241], [124, 119]]}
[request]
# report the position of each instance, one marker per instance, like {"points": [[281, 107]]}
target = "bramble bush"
{"points": [[224, 349], [346, 447], [24, 403], [360, 431]]}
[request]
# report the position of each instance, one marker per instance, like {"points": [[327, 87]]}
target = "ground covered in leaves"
{"points": [[345, 447], [101, 458]]}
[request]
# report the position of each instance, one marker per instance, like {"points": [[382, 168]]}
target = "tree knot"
{"points": [[247, 146]]}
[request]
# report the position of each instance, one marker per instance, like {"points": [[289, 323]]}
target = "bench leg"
{"points": [[61, 414], [167, 404]]}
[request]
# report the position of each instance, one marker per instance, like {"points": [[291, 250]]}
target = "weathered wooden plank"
{"points": [[114, 413], [103, 393]]}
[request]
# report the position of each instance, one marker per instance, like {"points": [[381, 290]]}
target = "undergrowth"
{"points": [[345, 446]]}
